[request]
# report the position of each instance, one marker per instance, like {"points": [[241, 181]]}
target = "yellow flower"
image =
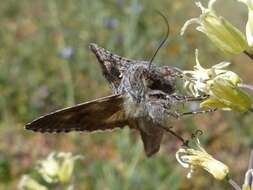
{"points": [[220, 84], [227, 96], [49, 168], [27, 183], [200, 79], [199, 158], [67, 166], [221, 32], [57, 167]]}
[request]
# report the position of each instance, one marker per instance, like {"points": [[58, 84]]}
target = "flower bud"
{"points": [[199, 158], [221, 32], [67, 166], [227, 96], [49, 168]]}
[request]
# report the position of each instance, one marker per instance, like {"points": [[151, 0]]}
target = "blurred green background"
{"points": [[45, 64]]}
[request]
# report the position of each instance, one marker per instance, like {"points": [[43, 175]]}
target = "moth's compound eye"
{"points": [[115, 72]]}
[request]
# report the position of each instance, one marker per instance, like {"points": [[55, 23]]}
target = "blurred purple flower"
{"points": [[110, 23], [67, 53], [120, 39], [137, 8]]}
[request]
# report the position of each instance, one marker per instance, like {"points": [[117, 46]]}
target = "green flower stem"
{"points": [[65, 67]]}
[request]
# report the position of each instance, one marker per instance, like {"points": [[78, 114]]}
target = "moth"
{"points": [[143, 95]]}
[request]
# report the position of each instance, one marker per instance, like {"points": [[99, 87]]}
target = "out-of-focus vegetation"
{"points": [[54, 172], [45, 64]]}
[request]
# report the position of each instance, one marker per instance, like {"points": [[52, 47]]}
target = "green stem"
{"points": [[66, 71], [68, 83]]}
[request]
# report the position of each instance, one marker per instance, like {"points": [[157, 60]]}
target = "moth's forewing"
{"points": [[101, 114], [112, 65]]}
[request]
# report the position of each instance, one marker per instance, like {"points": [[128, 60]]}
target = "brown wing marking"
{"points": [[101, 114]]}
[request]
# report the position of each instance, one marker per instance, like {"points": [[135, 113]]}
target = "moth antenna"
{"points": [[164, 39]]}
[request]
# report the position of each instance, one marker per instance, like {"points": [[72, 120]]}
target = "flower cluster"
{"points": [[220, 84], [220, 31], [56, 168], [223, 86]]}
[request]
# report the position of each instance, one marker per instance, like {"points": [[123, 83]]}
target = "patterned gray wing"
{"points": [[113, 66]]}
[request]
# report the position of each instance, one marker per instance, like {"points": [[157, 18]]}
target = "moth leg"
{"points": [[181, 98], [173, 114], [198, 112], [169, 130]]}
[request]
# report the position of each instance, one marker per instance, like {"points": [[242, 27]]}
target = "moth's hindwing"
{"points": [[151, 139], [101, 114]]}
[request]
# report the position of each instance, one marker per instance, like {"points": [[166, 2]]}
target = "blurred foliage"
{"points": [[55, 172], [45, 64]]}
